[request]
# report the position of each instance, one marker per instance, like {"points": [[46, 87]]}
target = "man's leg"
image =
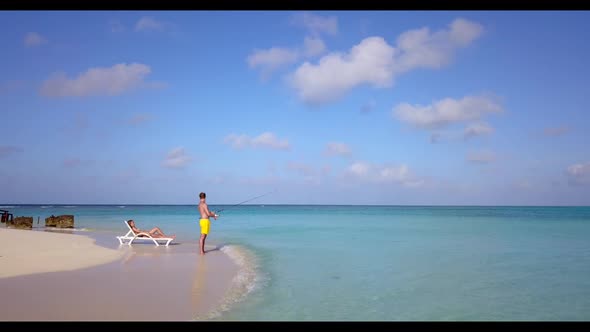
{"points": [[202, 243]]}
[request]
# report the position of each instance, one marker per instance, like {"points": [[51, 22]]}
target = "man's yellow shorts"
{"points": [[205, 223]]}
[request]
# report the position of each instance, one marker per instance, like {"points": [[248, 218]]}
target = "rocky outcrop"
{"points": [[5, 216], [20, 222], [63, 221]]}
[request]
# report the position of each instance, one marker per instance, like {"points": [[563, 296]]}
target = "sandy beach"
{"points": [[70, 277], [25, 252]]}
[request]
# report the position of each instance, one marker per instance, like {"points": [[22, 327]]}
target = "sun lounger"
{"points": [[133, 237]]}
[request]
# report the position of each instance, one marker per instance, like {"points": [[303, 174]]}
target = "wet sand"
{"points": [[142, 283]]}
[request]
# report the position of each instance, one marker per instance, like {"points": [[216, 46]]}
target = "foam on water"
{"points": [[53, 229], [246, 280]]}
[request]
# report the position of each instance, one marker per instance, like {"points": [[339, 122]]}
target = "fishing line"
{"points": [[248, 200]]}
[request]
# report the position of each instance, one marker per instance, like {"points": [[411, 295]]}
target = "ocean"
{"points": [[381, 263]]}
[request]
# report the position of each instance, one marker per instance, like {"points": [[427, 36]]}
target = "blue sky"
{"points": [[326, 107]]}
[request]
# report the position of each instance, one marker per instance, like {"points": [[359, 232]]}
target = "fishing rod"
{"points": [[248, 200]]}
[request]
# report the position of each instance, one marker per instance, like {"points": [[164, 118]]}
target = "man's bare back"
{"points": [[204, 210]]}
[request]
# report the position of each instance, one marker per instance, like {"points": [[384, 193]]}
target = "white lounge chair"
{"points": [[132, 236]]}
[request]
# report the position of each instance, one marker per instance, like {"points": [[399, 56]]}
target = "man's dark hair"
{"points": [[202, 195]]}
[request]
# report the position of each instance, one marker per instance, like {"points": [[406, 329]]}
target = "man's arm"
{"points": [[211, 214]]}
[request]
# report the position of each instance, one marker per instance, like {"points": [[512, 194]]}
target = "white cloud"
{"points": [[313, 46], [337, 149], [371, 62], [269, 60], [97, 81], [374, 62], [268, 139], [556, 131], [34, 39], [6, 150], [148, 23], [360, 169], [477, 129], [462, 32], [176, 158], [264, 140], [579, 174], [382, 174], [446, 111], [316, 24], [420, 48], [481, 157]]}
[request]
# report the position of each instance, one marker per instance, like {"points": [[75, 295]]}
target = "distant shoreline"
{"points": [[9, 205]]}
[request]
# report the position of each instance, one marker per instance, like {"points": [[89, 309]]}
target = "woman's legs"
{"points": [[157, 232]]}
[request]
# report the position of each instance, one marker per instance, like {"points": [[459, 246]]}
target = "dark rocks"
{"points": [[20, 222], [5, 216], [63, 221]]}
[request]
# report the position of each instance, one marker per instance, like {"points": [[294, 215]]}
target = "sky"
{"points": [[324, 107]]}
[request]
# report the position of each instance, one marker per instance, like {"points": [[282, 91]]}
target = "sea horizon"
{"points": [[280, 204]]}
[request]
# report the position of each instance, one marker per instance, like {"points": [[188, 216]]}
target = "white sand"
{"points": [[92, 282], [25, 252], [174, 283]]}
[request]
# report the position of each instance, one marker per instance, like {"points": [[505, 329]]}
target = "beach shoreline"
{"points": [[24, 252], [74, 277]]}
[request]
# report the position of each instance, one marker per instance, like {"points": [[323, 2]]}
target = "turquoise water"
{"points": [[387, 262]]}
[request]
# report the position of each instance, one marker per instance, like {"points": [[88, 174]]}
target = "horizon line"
{"points": [[286, 204]]}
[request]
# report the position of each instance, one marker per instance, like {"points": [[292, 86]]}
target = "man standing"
{"points": [[204, 222]]}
